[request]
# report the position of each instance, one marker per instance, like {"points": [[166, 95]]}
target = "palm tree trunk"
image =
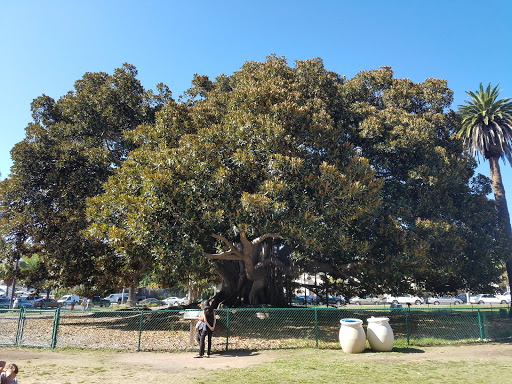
{"points": [[501, 205], [499, 194]]}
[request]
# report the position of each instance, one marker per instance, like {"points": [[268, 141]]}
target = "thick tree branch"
{"points": [[265, 237], [231, 246], [223, 256], [264, 263], [248, 246]]}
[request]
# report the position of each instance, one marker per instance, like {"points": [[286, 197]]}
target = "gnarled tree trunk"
{"points": [[251, 273]]}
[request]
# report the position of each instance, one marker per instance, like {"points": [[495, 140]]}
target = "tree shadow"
{"points": [[239, 353], [408, 350], [506, 340]]}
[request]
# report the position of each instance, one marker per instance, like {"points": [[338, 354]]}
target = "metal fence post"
{"points": [[22, 321], [316, 326], [56, 317], [480, 326], [227, 329], [18, 331], [140, 329], [407, 327]]}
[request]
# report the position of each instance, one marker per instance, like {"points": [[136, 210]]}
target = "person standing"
{"points": [[200, 324], [207, 331], [84, 303]]}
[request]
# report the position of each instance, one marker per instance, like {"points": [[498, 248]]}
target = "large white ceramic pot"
{"points": [[352, 336], [379, 334]]}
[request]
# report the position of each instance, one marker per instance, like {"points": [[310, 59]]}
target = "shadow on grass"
{"points": [[239, 353], [506, 340], [408, 350]]}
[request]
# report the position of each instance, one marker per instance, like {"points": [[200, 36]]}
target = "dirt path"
{"points": [[107, 367], [76, 366]]}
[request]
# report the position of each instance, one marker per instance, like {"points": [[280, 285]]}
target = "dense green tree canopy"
{"points": [[260, 153], [73, 145], [361, 179], [429, 227], [249, 179]]}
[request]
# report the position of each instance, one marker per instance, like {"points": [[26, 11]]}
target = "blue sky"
{"points": [[47, 46]]}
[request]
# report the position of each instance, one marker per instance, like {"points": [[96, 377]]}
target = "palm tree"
{"points": [[487, 129]]}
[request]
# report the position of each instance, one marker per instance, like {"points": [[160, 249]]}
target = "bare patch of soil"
{"points": [[78, 366]]}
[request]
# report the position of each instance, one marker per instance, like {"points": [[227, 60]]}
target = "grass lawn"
{"points": [[476, 363], [415, 366]]}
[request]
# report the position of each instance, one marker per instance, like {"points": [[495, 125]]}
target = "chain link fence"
{"points": [[243, 329]]}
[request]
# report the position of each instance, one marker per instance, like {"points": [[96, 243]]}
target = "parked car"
{"points": [[298, 300], [314, 300], [99, 302], [319, 299], [46, 303], [69, 300], [151, 302], [444, 300], [175, 301], [303, 300], [463, 297], [117, 297], [23, 303], [332, 300], [5, 303], [404, 299], [368, 300], [505, 296], [487, 298], [336, 300]]}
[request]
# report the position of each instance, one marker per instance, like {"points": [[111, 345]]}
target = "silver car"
{"points": [[444, 300], [368, 300], [175, 301]]}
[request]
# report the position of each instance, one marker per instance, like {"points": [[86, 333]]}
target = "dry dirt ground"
{"points": [[108, 367]]}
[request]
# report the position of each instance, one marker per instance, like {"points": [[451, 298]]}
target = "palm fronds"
{"points": [[487, 123]]}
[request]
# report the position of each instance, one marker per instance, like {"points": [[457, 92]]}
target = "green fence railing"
{"points": [[243, 329]]}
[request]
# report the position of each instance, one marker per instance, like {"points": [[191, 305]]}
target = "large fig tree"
{"points": [[253, 174]]}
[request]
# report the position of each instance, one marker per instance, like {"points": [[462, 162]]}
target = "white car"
{"points": [[69, 300], [487, 298], [505, 296], [404, 299], [175, 301], [117, 298]]}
